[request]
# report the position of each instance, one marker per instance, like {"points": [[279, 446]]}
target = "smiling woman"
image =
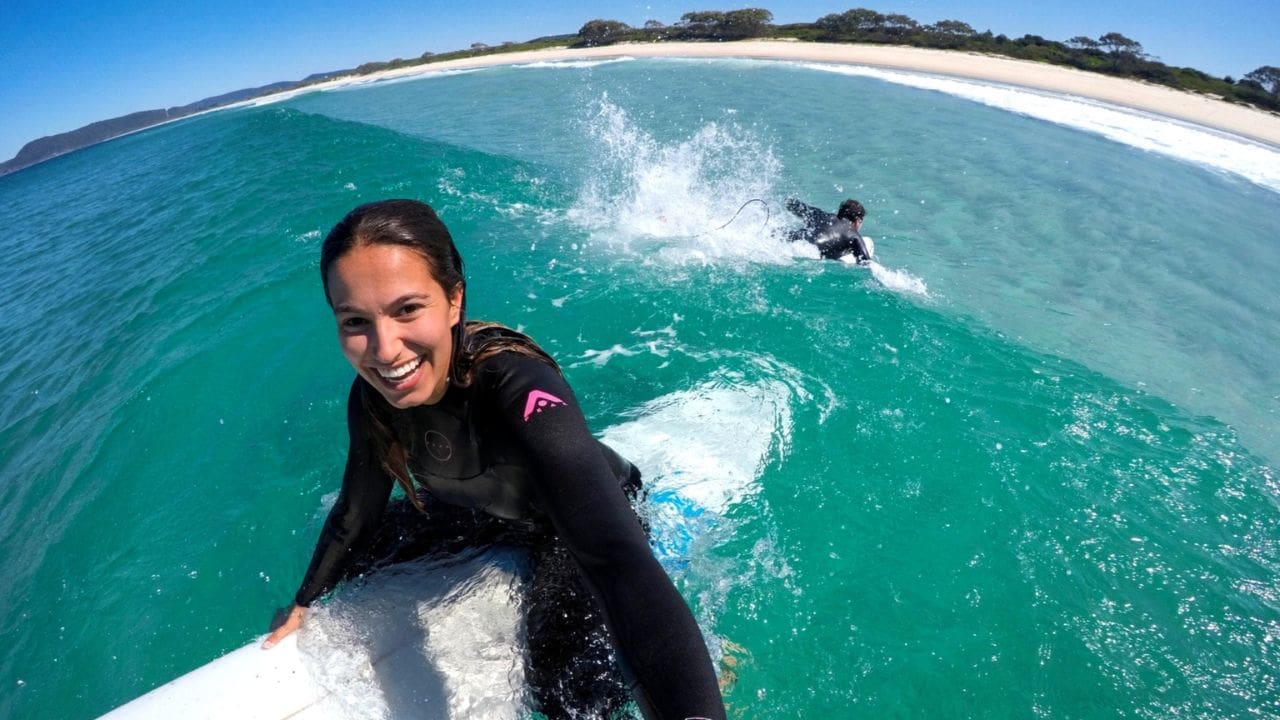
{"points": [[476, 424], [395, 322]]}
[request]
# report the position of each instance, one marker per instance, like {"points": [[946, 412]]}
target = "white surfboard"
{"points": [[432, 639], [245, 683]]}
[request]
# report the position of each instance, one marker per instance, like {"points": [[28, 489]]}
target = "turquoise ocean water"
{"points": [[1025, 466]]}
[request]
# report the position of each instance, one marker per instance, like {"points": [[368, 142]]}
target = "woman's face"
{"points": [[395, 322]]}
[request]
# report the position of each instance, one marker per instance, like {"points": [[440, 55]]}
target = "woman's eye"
{"points": [[351, 323], [409, 309]]}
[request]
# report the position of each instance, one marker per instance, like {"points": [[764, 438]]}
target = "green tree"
{"points": [[1117, 44], [1267, 78], [1080, 42], [857, 21], [748, 22], [700, 23], [596, 32], [702, 19], [899, 24], [734, 24], [951, 28]]}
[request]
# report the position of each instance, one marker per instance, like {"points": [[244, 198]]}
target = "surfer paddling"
{"points": [[836, 236], [478, 426]]}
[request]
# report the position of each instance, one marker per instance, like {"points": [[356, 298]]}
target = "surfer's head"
{"points": [[405, 224], [393, 277], [852, 211]]}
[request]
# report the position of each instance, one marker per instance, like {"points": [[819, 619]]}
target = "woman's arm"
{"points": [[653, 629], [366, 487]]}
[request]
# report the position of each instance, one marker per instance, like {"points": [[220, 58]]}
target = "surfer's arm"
{"points": [[352, 519], [366, 487], [859, 250], [846, 243], [805, 211], [652, 627], [291, 621]]}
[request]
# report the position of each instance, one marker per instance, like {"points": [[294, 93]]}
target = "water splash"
{"points": [[689, 199], [899, 281], [702, 199], [708, 444], [424, 640]]}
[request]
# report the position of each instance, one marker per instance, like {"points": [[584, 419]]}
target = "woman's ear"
{"points": [[455, 305]]}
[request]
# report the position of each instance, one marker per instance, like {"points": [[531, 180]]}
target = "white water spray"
{"points": [[687, 199]]}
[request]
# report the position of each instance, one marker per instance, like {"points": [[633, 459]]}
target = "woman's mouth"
{"points": [[401, 377]]}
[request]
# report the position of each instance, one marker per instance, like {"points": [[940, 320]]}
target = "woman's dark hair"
{"points": [[413, 224]]}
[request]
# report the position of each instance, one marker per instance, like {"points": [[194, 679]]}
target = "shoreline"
{"points": [[1257, 125]]}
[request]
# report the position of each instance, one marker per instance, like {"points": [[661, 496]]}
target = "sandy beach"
{"points": [[1189, 107]]}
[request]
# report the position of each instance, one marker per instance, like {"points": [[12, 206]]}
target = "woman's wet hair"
{"points": [[407, 223], [415, 225]]}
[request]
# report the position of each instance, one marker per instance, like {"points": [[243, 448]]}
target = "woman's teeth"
{"points": [[397, 373]]}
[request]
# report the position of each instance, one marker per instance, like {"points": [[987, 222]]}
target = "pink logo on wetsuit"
{"points": [[539, 401]]}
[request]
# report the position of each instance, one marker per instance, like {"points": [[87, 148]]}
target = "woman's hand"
{"points": [[282, 627]]}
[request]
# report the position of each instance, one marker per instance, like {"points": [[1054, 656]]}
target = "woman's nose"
{"points": [[387, 344]]}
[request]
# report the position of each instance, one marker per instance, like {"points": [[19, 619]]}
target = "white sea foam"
{"points": [[360, 82], [707, 444], [423, 639], [687, 200], [1196, 144], [569, 64], [344, 84], [899, 281]]}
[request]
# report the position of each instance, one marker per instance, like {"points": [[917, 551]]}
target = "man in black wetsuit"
{"points": [[835, 235]]}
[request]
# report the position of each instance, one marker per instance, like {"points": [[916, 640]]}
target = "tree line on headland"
{"points": [[1111, 54]]}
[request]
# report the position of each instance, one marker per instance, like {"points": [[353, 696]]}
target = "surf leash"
{"points": [[767, 214]]}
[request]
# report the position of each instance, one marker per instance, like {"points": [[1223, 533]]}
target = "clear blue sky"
{"points": [[66, 64]]}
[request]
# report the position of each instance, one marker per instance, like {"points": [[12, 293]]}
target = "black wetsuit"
{"points": [[834, 236], [510, 458]]}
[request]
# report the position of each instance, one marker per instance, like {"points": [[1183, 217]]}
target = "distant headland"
{"points": [[52, 146], [1112, 54]]}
